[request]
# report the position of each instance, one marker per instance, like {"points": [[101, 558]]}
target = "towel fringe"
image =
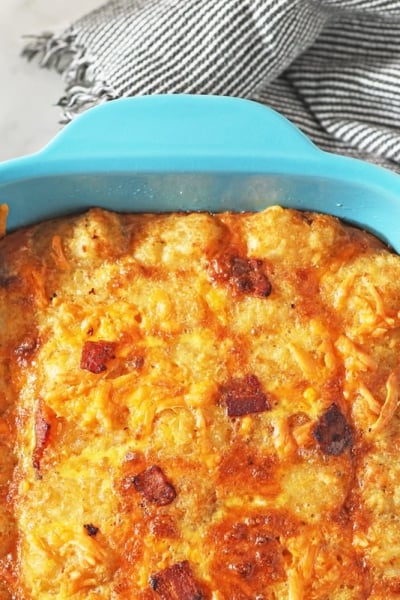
{"points": [[78, 98], [84, 86]]}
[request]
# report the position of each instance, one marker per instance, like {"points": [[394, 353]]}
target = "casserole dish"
{"points": [[198, 405], [182, 152]]}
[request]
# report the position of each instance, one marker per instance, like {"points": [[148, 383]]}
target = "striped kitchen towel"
{"points": [[331, 66]]}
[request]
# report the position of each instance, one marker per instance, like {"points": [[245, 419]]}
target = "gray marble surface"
{"points": [[29, 117]]}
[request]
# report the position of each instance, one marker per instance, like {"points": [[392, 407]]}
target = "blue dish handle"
{"points": [[121, 155], [181, 132]]}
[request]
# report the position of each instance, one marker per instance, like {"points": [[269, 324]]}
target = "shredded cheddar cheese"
{"points": [[389, 406], [199, 407], [3, 219]]}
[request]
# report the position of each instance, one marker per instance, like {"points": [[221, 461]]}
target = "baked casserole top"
{"points": [[199, 406]]}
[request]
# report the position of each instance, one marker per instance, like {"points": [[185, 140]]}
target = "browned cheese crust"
{"points": [[199, 407]]}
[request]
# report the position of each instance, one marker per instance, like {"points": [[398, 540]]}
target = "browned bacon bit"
{"points": [[91, 530], [332, 432], [96, 354], [154, 486], [42, 435], [245, 275], [176, 583], [244, 396]]}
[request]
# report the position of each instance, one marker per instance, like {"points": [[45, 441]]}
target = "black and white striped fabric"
{"points": [[331, 66]]}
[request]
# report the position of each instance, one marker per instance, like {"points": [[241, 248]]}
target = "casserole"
{"points": [[200, 405], [194, 153]]}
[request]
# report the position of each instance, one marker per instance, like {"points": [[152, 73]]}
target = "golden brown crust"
{"points": [[199, 406]]}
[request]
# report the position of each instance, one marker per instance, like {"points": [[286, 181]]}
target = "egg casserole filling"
{"points": [[199, 406]]}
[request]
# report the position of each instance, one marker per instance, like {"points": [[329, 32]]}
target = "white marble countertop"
{"points": [[29, 117]]}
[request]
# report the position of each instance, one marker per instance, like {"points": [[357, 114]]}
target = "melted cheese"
{"points": [[176, 309]]}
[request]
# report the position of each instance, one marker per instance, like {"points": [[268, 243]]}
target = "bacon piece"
{"points": [[248, 277], [91, 530], [176, 583], [42, 436], [245, 275], [96, 354], [244, 396], [154, 486], [332, 432]]}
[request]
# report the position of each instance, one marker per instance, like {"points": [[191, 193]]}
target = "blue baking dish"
{"points": [[183, 152]]}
